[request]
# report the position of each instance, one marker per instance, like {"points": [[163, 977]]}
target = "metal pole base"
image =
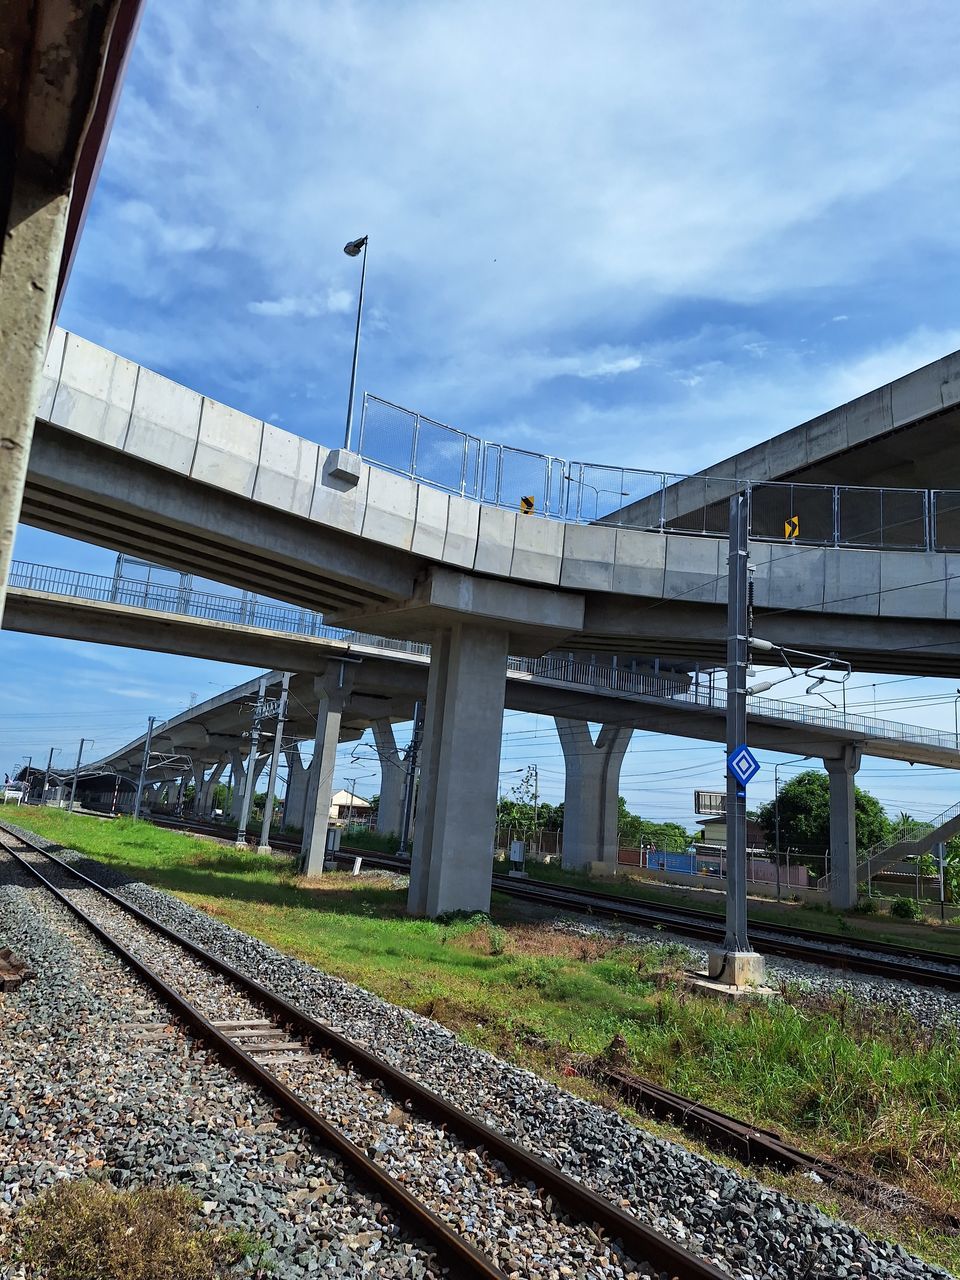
{"points": [[736, 968]]}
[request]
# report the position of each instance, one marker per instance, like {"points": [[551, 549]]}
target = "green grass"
{"points": [[877, 928], [874, 1091]]}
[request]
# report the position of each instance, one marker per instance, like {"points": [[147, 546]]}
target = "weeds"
{"points": [[89, 1230]]}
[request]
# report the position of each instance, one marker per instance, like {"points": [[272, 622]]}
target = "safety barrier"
{"points": [[250, 611], [404, 441]]}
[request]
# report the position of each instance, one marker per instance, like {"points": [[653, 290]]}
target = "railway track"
{"points": [[304, 1065], [881, 959]]}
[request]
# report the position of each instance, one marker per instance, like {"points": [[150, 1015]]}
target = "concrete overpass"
{"points": [[130, 460], [391, 675]]}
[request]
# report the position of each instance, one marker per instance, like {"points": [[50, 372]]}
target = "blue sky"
{"points": [[638, 234]]}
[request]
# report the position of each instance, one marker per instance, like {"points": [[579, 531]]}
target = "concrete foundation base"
{"points": [[264, 848], [732, 975], [736, 968], [701, 985], [597, 868]]}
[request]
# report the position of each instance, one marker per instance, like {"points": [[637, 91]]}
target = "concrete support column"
{"points": [[459, 772], [843, 827], [198, 768], [332, 689], [591, 794], [392, 775], [209, 788], [294, 806], [238, 775]]}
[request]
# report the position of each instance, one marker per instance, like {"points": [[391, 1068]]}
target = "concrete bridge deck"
{"points": [[80, 608], [130, 460]]}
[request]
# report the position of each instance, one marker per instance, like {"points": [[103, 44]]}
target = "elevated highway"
{"points": [[130, 460]]}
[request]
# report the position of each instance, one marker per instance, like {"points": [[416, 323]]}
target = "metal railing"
{"points": [[407, 443], [249, 611]]}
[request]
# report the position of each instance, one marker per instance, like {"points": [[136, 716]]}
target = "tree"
{"points": [[635, 832], [804, 816]]}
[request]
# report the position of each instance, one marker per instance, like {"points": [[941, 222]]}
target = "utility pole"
{"points": [[76, 774], [46, 776], [251, 765], [737, 964], [144, 765], [29, 767], [264, 846], [410, 784], [353, 788]]}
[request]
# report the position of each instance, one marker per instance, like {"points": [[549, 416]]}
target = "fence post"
{"points": [[836, 515], [414, 445]]}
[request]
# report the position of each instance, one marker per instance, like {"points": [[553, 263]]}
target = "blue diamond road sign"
{"points": [[742, 763]]}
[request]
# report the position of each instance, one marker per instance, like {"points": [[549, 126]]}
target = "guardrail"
{"points": [[407, 443], [250, 611]]}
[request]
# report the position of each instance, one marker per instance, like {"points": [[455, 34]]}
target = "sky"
{"points": [[641, 234]]}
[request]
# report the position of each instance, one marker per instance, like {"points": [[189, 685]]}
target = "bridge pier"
{"points": [[460, 771], [591, 794], [238, 777], [294, 807], [392, 774], [333, 689], [843, 827], [208, 790]]}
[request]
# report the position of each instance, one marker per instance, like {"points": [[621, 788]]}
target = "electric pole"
{"points": [[46, 776], [76, 774], [274, 764], [251, 765], [144, 765], [410, 785]]}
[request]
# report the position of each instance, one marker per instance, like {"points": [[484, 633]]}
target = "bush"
{"points": [[375, 841], [866, 907], [906, 909], [90, 1230]]}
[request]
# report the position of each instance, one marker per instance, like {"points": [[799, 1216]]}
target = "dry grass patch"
{"points": [[90, 1231]]}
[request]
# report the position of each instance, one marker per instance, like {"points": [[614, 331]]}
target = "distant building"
{"points": [[344, 806], [715, 833]]}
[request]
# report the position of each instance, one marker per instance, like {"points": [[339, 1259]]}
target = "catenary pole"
{"points": [[738, 643], [76, 774], [274, 764], [144, 765], [250, 778]]}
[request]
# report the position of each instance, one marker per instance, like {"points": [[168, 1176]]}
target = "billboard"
{"points": [[710, 804]]}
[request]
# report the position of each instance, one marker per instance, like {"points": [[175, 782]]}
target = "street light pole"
{"points": [[352, 249]]}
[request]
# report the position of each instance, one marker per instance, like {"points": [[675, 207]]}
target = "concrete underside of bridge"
{"points": [[129, 460]]}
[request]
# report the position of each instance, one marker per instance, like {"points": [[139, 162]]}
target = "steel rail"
{"points": [[749, 1144], [642, 1242], [786, 940], [451, 1247], [812, 948]]}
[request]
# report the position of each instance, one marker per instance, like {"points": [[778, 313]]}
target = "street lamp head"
{"points": [[353, 247]]}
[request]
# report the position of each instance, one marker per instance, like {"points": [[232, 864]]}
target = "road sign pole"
{"points": [[737, 656]]}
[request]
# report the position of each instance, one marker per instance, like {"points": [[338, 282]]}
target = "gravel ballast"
{"points": [[753, 1231], [97, 1082]]}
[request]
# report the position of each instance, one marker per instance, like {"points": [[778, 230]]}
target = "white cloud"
{"points": [[334, 302]]}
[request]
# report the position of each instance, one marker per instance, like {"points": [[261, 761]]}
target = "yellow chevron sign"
{"points": [[791, 527], [526, 506]]}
